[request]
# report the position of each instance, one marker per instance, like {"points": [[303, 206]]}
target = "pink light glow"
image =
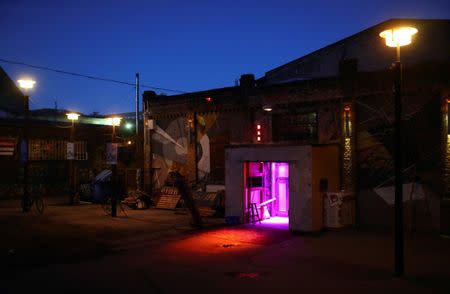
{"points": [[283, 170], [276, 222], [282, 195]]}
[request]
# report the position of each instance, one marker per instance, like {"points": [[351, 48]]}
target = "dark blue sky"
{"points": [[184, 45]]}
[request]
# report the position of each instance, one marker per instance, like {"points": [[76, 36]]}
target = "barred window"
{"points": [[81, 150], [55, 150]]}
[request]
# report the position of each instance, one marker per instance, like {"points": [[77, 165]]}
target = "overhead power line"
{"points": [[88, 76]]}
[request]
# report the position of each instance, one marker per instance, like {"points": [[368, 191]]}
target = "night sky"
{"points": [[180, 45]]}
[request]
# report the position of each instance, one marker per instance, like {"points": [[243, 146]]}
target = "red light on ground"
{"points": [[248, 275], [208, 99]]}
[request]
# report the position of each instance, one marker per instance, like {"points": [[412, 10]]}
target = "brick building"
{"points": [[340, 95], [49, 131]]}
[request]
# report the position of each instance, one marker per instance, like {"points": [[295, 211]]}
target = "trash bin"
{"points": [[232, 220], [339, 210], [102, 186]]}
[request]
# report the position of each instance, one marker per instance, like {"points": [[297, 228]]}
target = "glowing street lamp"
{"points": [[267, 108], [73, 116], [115, 122], [398, 37], [26, 85]]}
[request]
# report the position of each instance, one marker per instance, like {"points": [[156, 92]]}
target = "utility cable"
{"points": [[87, 76]]}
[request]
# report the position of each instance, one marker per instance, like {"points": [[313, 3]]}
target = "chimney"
{"points": [[247, 81], [348, 75], [147, 97]]}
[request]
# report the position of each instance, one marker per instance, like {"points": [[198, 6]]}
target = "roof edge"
{"points": [[381, 24]]}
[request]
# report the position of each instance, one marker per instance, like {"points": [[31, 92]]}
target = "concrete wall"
{"points": [[300, 169]]}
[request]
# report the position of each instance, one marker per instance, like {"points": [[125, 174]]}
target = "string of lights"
{"points": [[87, 76]]}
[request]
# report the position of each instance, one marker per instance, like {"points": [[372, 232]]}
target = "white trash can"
{"points": [[339, 210]]}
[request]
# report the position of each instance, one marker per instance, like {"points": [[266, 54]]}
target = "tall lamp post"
{"points": [[397, 37], [115, 121], [73, 117], [26, 85]]}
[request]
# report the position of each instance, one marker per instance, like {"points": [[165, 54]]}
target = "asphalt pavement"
{"points": [[78, 249]]}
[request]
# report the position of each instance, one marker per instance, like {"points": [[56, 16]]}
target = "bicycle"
{"points": [[137, 199], [106, 206], [35, 199]]}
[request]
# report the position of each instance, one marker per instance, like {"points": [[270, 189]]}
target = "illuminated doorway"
{"points": [[267, 193]]}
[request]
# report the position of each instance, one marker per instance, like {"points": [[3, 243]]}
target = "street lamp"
{"points": [[71, 147], [26, 85], [114, 121], [72, 116], [397, 37], [267, 108], [128, 126]]}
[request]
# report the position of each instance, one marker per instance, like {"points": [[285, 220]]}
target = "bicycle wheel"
{"points": [[123, 208], [25, 204], [39, 202], [106, 205]]}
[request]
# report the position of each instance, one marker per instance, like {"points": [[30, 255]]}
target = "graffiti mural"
{"points": [[171, 141], [329, 122], [169, 147], [204, 125], [375, 135]]}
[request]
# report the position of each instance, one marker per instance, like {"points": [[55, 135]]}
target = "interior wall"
{"points": [[299, 158]]}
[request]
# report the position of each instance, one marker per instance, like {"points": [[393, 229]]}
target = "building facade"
{"points": [[49, 132], [338, 95]]}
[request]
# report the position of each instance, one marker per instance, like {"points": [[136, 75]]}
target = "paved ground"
{"points": [[65, 233], [79, 250]]}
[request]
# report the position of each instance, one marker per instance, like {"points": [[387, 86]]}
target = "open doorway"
{"points": [[267, 193]]}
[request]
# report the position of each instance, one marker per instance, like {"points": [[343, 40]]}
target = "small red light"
{"points": [[258, 133], [258, 127], [258, 139], [208, 99]]}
